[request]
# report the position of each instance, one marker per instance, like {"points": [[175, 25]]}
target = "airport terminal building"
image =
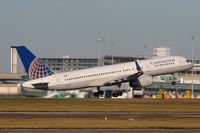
{"points": [[67, 63]]}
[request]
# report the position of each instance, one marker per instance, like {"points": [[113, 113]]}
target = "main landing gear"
{"points": [[117, 93], [98, 93]]}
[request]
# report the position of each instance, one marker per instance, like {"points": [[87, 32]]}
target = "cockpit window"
{"points": [[189, 61]]}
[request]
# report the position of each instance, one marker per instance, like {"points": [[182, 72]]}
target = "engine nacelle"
{"points": [[141, 81]]}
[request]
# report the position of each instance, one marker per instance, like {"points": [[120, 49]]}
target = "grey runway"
{"points": [[103, 131], [97, 115]]}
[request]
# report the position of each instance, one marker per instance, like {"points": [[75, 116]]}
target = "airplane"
{"points": [[138, 73]]}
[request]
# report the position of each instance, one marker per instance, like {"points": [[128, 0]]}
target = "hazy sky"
{"points": [[52, 28]]}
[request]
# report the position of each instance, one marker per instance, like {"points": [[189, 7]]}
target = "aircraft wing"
{"points": [[125, 78]]}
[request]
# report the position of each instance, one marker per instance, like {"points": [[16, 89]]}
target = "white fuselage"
{"points": [[99, 76]]}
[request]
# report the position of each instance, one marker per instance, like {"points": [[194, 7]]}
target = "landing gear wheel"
{"points": [[173, 79], [96, 94], [117, 93], [99, 93], [173, 82]]}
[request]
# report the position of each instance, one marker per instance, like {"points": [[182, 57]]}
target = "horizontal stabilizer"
{"points": [[41, 86]]}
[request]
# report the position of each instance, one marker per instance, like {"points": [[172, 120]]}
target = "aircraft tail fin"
{"points": [[33, 66]]}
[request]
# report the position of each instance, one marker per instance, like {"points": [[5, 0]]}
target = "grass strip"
{"points": [[72, 123], [98, 105]]}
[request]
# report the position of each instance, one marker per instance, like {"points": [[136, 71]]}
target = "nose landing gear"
{"points": [[173, 79], [173, 82]]}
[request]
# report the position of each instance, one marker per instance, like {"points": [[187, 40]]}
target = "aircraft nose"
{"points": [[191, 65]]}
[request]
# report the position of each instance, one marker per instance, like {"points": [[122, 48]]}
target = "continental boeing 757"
{"points": [[138, 73]]}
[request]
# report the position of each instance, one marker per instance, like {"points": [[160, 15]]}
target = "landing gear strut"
{"points": [[98, 93], [173, 79]]}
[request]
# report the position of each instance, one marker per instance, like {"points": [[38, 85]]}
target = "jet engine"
{"points": [[141, 81]]}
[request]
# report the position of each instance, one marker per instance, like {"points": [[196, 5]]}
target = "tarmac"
{"points": [[97, 115]]}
